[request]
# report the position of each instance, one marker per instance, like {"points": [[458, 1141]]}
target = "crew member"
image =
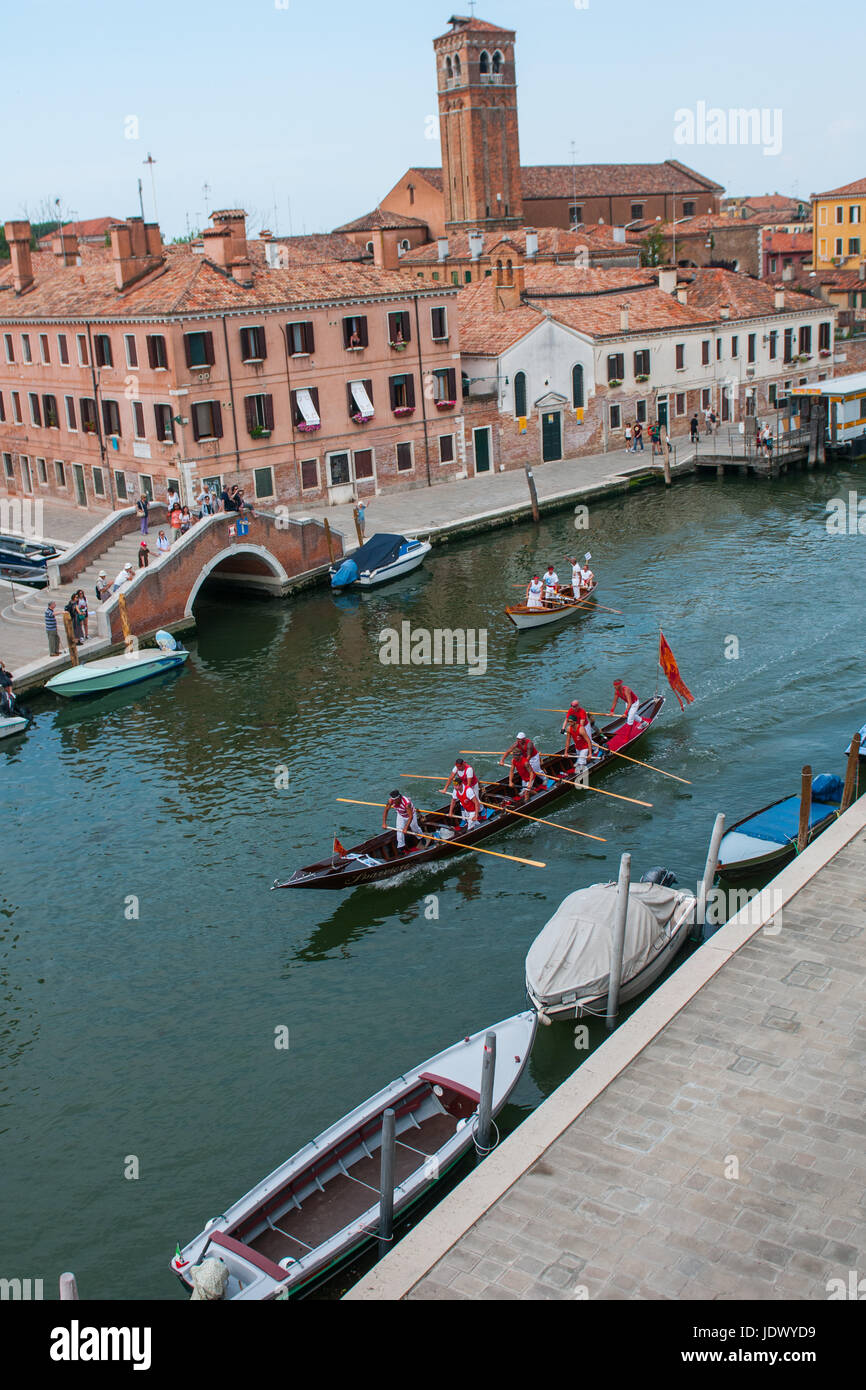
{"points": [[631, 702], [577, 727], [551, 583], [469, 804], [587, 578], [520, 764], [407, 816], [534, 592], [576, 575], [525, 748], [462, 776]]}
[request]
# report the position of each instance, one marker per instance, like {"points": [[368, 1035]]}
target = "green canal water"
{"points": [[146, 1043]]}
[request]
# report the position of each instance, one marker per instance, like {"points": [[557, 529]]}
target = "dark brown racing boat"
{"points": [[378, 857]]}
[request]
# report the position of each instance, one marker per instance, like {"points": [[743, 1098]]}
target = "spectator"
{"points": [[72, 609], [126, 574], [174, 521], [362, 519], [655, 438], [638, 436], [173, 498], [103, 588], [143, 506], [143, 556], [713, 421], [707, 414], [51, 629], [162, 543], [214, 501], [203, 500], [83, 614], [628, 439], [185, 521], [5, 677], [693, 428]]}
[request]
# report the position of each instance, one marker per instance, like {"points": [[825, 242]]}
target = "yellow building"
{"points": [[838, 219]]}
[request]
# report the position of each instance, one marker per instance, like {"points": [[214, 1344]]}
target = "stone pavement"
{"points": [[722, 1157]]}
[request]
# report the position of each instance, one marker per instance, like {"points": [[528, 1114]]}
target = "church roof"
{"points": [[599, 180], [380, 218]]}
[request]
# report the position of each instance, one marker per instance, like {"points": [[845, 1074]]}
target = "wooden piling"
{"points": [[618, 948], [124, 621], [386, 1180], [70, 637], [710, 869], [533, 494], [485, 1104], [851, 773], [666, 457], [359, 532], [329, 540], [805, 808]]}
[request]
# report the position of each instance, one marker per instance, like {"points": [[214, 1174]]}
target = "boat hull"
{"points": [[350, 873], [404, 565], [112, 673], [12, 725], [743, 856], [525, 618]]}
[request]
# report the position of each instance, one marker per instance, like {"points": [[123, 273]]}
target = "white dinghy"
{"points": [[113, 672], [321, 1206]]}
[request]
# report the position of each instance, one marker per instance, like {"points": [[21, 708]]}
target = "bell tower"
{"points": [[477, 84]]}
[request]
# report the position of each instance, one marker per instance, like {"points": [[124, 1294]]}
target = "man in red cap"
{"points": [[631, 702]]}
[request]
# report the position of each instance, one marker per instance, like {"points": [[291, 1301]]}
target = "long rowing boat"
{"points": [[378, 858], [565, 605]]}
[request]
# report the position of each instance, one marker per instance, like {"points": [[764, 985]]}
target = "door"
{"points": [[340, 485], [80, 490], [481, 442], [662, 411], [551, 435]]}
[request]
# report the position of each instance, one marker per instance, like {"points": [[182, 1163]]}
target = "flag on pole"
{"points": [[338, 848], [668, 663]]}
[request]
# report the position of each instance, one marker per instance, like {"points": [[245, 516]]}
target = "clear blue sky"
{"points": [[322, 106]]}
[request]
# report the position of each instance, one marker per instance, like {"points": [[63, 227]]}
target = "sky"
{"points": [[306, 114]]}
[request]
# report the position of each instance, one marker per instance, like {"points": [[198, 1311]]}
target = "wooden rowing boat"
{"points": [[378, 857], [321, 1206], [565, 606], [767, 839]]}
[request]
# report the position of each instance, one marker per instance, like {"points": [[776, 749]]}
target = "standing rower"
{"points": [[525, 748], [407, 816], [576, 575], [534, 593], [632, 704], [551, 583], [577, 727]]}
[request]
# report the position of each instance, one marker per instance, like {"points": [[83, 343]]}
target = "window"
{"points": [[823, 337], [772, 264], [359, 395], [44, 353], [9, 346], [49, 410], [138, 419], [771, 393], [253, 349], [25, 347], [705, 398], [355, 331], [640, 412], [157, 358], [363, 465], [446, 448], [681, 403], [439, 321], [519, 395], [16, 408], [207, 422], [111, 418], [305, 408], [705, 352], [636, 211], [309, 475], [102, 350], [402, 389], [774, 338], [164, 423], [806, 339], [146, 485], [854, 213], [42, 471], [264, 482], [616, 366], [2, 410], [83, 355], [63, 349], [689, 209], [838, 245], [399, 329], [680, 355], [26, 477], [577, 397], [641, 363], [35, 416], [340, 469], [822, 214], [752, 345], [8, 466], [405, 458], [131, 350], [98, 482], [259, 412], [455, 277], [854, 246], [840, 214], [445, 386], [735, 346], [789, 344], [484, 63], [120, 485], [718, 349], [575, 213], [199, 351], [300, 338], [615, 416], [60, 472]]}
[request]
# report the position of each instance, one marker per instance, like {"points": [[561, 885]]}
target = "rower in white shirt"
{"points": [[551, 583], [587, 578], [534, 592]]}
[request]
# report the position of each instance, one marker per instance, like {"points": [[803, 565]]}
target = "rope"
{"points": [[479, 1148]]}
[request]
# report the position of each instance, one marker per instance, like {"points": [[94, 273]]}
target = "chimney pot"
{"points": [[682, 294], [531, 243], [779, 299], [667, 279], [476, 244], [623, 318]]}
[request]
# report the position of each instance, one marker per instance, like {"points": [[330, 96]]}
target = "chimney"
{"points": [[18, 236], [266, 234], [242, 271], [217, 245], [623, 318], [476, 244], [153, 239], [668, 280], [779, 299], [386, 248], [65, 248], [682, 294], [531, 243], [509, 288], [136, 250], [443, 248], [619, 234], [234, 222], [788, 272], [725, 311]]}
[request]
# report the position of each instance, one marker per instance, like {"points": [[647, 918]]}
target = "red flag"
{"points": [[667, 661], [338, 848]]}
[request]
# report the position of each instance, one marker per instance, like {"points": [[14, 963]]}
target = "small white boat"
{"points": [[114, 672], [568, 964], [321, 1206], [565, 605], [379, 559], [12, 724]]}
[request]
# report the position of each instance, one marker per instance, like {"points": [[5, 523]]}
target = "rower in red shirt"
{"points": [[407, 816], [529, 781], [469, 804], [631, 702], [462, 776], [525, 748]]}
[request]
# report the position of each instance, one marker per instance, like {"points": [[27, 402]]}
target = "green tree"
{"points": [[652, 248]]}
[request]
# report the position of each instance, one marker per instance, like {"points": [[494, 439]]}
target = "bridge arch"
{"points": [[269, 564]]}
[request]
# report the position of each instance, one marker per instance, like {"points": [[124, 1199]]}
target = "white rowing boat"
{"points": [[320, 1206], [114, 672], [565, 605]]}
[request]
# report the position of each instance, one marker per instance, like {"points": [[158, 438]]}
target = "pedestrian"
{"points": [[5, 677], [102, 587], [162, 543], [83, 614], [713, 421], [143, 556], [362, 519], [655, 438], [172, 498], [126, 574], [72, 609], [638, 436], [174, 520], [628, 439], [143, 506], [693, 426], [51, 629], [185, 521]]}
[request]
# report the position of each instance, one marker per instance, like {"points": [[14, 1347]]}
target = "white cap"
{"points": [[102, 575], [521, 735], [127, 566]]}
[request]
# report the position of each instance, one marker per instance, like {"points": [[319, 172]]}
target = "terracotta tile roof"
{"points": [[766, 202], [748, 298], [432, 176], [649, 310], [483, 331], [848, 190], [552, 241], [480, 26], [318, 247], [603, 180], [788, 241], [95, 226], [569, 279], [380, 218]]}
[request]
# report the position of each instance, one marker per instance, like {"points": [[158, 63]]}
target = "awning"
{"points": [[307, 409], [361, 399]]}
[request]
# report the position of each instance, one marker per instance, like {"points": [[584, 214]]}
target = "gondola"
{"points": [[564, 606], [767, 839], [378, 858]]}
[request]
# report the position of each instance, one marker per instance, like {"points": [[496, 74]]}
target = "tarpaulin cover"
{"points": [[573, 951], [781, 823], [379, 550]]}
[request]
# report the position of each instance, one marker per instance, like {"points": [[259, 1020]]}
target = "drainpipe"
{"points": [[292, 413], [232, 395], [99, 437], [423, 395]]}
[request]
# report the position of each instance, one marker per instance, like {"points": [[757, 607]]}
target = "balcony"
{"points": [[492, 79]]}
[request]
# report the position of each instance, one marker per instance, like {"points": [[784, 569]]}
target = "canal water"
{"points": [[147, 971]]}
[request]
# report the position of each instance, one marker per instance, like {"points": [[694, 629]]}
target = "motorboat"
{"points": [[767, 839], [113, 672], [379, 559], [321, 1206], [12, 724], [568, 964]]}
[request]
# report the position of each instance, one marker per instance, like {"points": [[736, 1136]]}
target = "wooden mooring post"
{"points": [[485, 1103], [70, 637], [329, 540], [805, 808], [852, 772], [68, 1287], [533, 494], [618, 948], [710, 869], [386, 1180], [360, 534]]}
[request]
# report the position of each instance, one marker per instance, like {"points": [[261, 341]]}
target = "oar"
{"points": [[540, 821], [584, 603], [651, 767], [587, 787], [515, 859]]}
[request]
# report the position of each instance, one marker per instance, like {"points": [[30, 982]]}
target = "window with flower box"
{"points": [[300, 338], [615, 367], [164, 422], [402, 391], [198, 348], [157, 356], [305, 409], [399, 329], [823, 337], [49, 410], [355, 331], [641, 363], [360, 401], [111, 418], [207, 420], [445, 387], [259, 411]]}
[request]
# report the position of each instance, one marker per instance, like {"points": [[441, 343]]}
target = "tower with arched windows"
{"points": [[477, 84]]}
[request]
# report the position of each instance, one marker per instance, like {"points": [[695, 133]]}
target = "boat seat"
{"points": [[237, 1247]]}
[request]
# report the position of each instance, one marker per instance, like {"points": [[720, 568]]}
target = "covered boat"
{"points": [[112, 672], [555, 611], [321, 1206], [768, 838], [378, 559], [568, 964]]}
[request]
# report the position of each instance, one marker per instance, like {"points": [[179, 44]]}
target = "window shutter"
{"points": [[188, 350], [269, 412], [250, 407], [261, 343], [314, 397], [392, 387], [362, 328], [195, 423], [208, 348], [410, 389], [452, 384], [407, 328], [216, 410], [350, 399], [157, 420], [368, 387], [309, 338]]}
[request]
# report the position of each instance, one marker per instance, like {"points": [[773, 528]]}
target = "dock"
{"points": [[712, 1146]]}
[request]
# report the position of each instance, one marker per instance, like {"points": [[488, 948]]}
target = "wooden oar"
{"points": [[584, 603], [651, 766], [534, 863], [587, 787], [540, 821]]}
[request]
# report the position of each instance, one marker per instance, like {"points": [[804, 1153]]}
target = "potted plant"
{"points": [[643, 377], [306, 428], [259, 432], [399, 347], [401, 410], [615, 381], [445, 405], [824, 352], [360, 419]]}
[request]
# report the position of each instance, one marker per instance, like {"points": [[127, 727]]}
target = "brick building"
{"points": [[126, 369]]}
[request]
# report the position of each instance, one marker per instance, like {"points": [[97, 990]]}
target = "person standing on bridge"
{"points": [[143, 506], [51, 629]]}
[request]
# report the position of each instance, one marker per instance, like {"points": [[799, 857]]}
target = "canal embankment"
{"points": [[711, 1147]]}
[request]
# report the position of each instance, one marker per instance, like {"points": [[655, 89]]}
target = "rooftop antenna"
{"points": [[141, 199], [206, 192], [472, 7], [151, 162], [289, 206]]}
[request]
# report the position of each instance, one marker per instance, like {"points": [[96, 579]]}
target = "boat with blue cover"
{"points": [[862, 743], [380, 558], [768, 838]]}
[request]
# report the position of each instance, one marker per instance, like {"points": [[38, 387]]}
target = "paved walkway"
{"points": [[712, 1147]]}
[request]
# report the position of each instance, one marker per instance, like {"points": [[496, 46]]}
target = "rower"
{"points": [[577, 727], [525, 748], [469, 804], [407, 816], [632, 704], [551, 583], [587, 578], [463, 776], [520, 763], [534, 592]]}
